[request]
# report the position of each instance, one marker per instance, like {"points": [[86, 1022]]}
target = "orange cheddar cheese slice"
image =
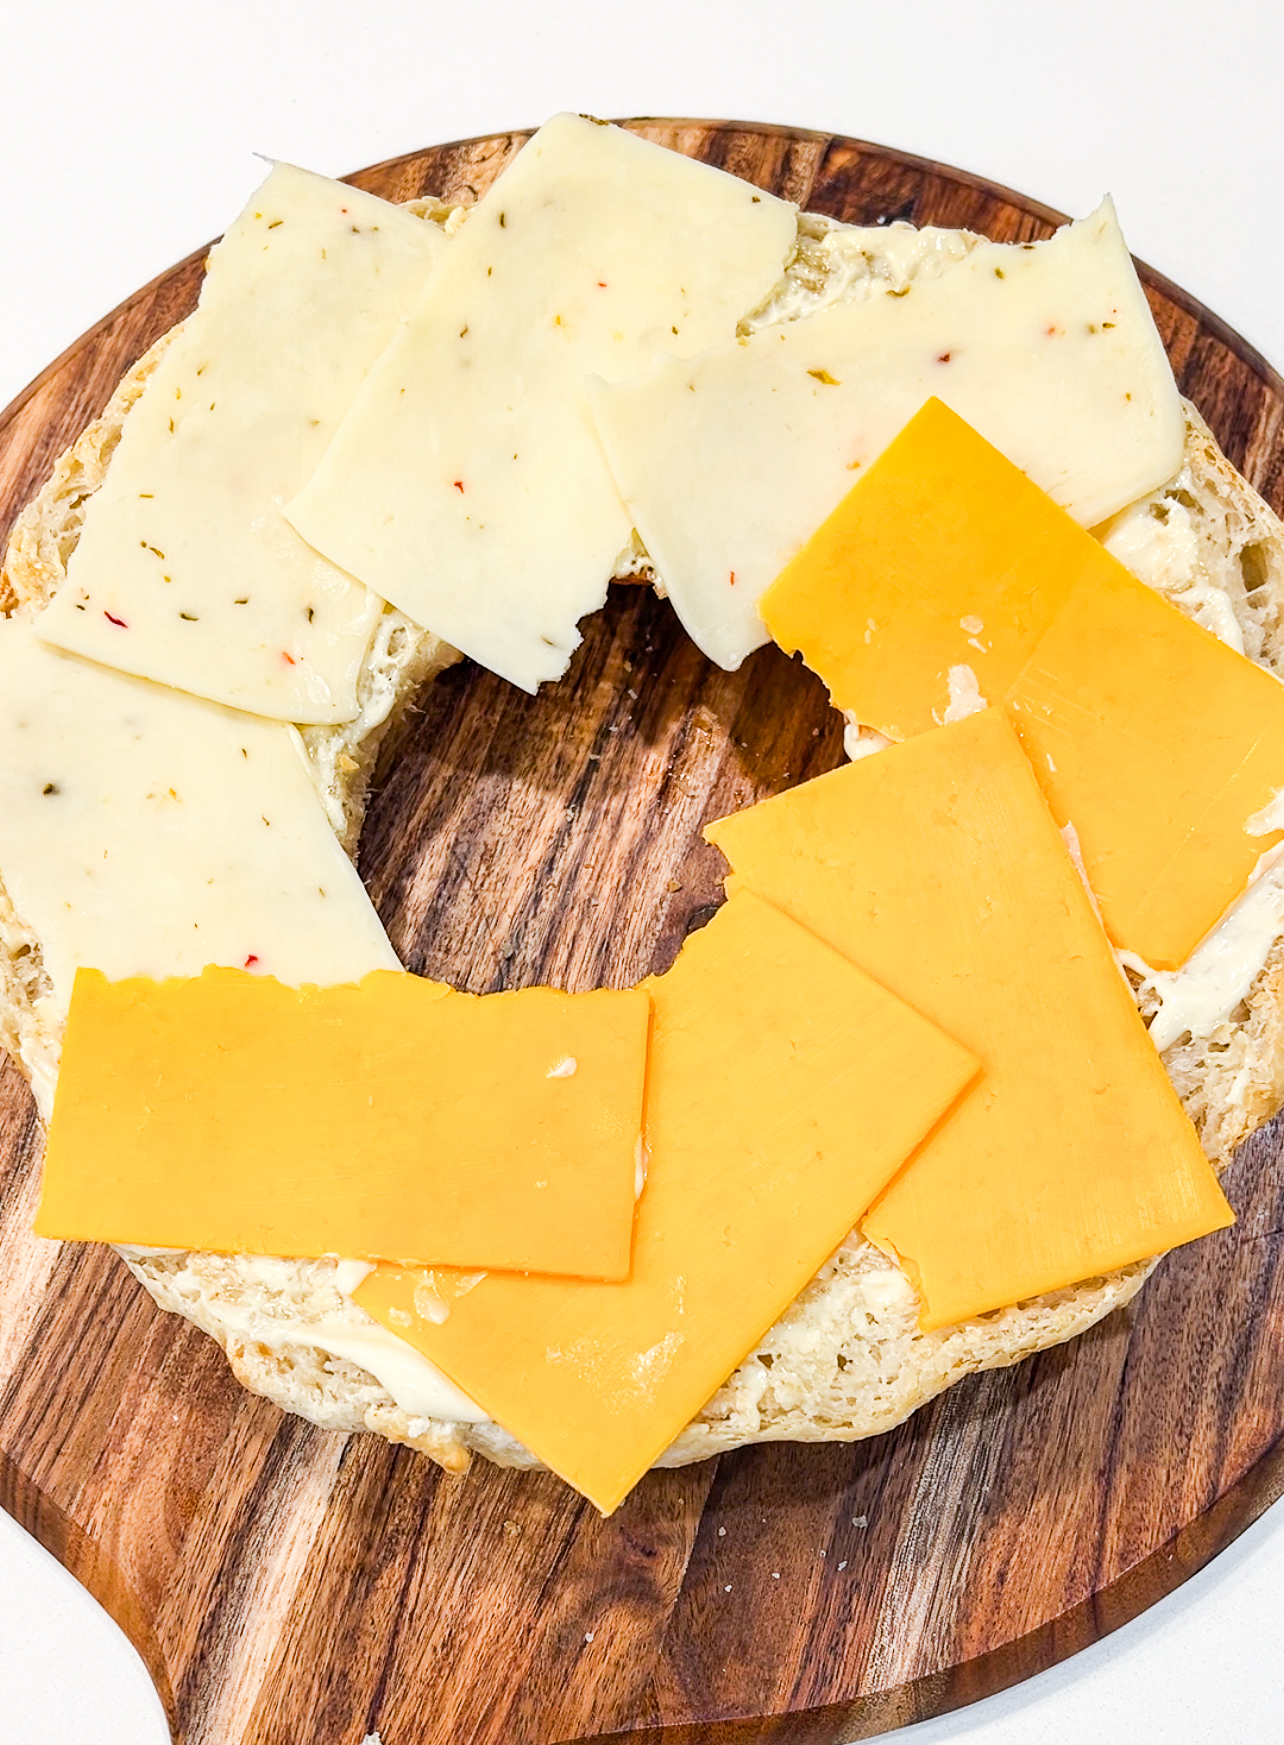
{"points": [[784, 1089], [387, 1119], [937, 867], [945, 572]]}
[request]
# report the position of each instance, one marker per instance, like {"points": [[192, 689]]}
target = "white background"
{"points": [[126, 134]]}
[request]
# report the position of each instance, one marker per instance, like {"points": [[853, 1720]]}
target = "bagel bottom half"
{"points": [[847, 1359]]}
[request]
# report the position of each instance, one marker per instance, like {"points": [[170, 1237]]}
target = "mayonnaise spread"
{"points": [[1195, 999]]}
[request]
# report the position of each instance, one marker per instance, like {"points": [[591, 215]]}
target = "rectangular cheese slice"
{"points": [[947, 571], [784, 1089], [185, 570], [937, 867], [467, 484], [143, 832], [730, 462], [390, 1119]]}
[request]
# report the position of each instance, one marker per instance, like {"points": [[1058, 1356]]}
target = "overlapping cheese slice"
{"points": [[143, 832], [947, 571], [937, 867], [185, 570], [784, 1089], [730, 462], [394, 1119], [467, 484]]}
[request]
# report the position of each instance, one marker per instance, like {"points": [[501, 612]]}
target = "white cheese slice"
{"points": [[730, 462], [144, 832], [185, 571], [467, 485]]}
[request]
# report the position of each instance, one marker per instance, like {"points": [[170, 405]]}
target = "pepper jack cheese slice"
{"points": [[784, 1089], [146, 833], [467, 484], [185, 570], [937, 867], [730, 462], [1158, 742], [393, 1119]]}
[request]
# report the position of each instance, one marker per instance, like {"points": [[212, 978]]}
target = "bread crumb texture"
{"points": [[847, 1359]]}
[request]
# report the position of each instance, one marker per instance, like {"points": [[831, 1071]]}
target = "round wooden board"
{"points": [[287, 1584]]}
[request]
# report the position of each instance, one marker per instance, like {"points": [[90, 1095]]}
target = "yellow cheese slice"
{"points": [[784, 1089], [935, 865], [387, 1119], [945, 572]]}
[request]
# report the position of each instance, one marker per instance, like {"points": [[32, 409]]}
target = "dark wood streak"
{"points": [[285, 1583]]}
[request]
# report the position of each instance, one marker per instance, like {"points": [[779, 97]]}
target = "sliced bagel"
{"points": [[847, 1359]]}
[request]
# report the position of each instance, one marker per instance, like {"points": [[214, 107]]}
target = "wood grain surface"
{"points": [[289, 1586]]}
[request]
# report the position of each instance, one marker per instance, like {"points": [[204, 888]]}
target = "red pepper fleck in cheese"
{"points": [[388, 1119], [945, 569], [784, 1089], [937, 867]]}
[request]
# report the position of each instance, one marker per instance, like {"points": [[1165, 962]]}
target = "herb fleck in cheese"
{"points": [[467, 485], [185, 570]]}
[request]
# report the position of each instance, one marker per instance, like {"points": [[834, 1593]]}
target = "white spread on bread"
{"points": [[848, 263], [861, 741], [348, 1274], [185, 570], [965, 694], [1200, 996], [1208, 544], [259, 1308], [417, 1386], [1156, 540], [466, 484], [1269, 819]]}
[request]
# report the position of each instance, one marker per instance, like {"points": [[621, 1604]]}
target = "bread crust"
{"points": [[847, 1359]]}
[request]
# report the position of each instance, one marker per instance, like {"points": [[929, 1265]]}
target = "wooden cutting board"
{"points": [[288, 1585]]}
